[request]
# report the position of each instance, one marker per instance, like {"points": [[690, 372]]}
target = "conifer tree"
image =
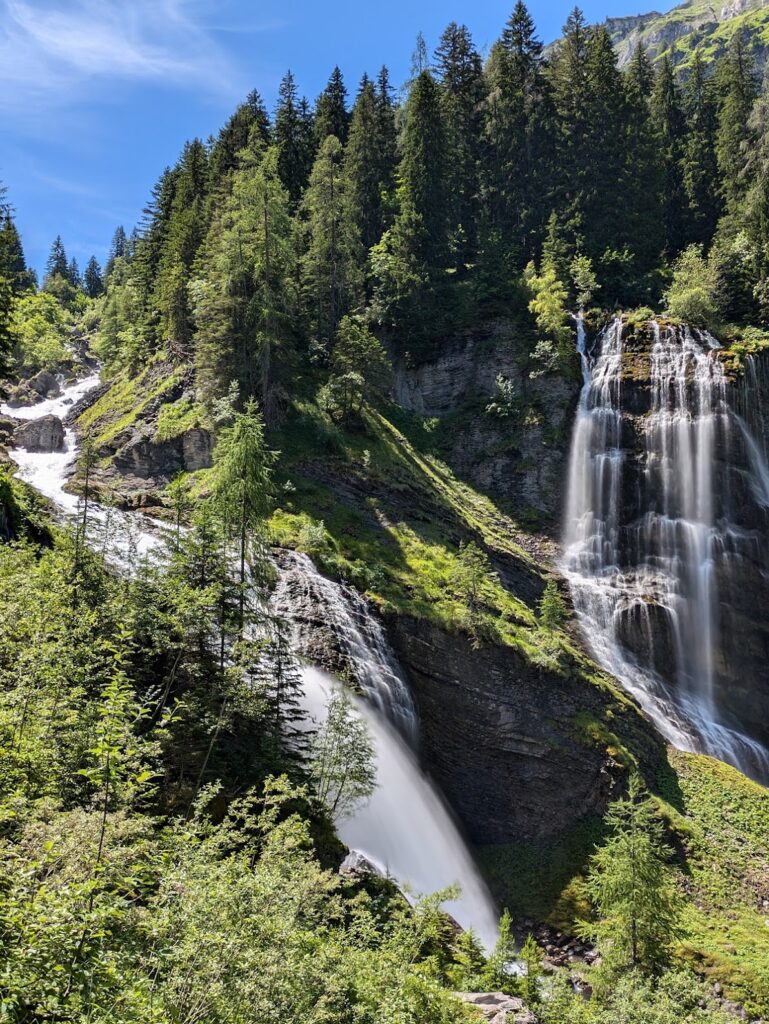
{"points": [[385, 109], [669, 126], [629, 883], [701, 174], [331, 115], [13, 265], [457, 65], [331, 267], [234, 136], [244, 287], [117, 247], [93, 284], [293, 137], [643, 210], [57, 265], [422, 224], [73, 273], [185, 231], [517, 179], [243, 492], [737, 87], [368, 166]]}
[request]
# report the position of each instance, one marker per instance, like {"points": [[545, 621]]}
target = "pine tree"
{"points": [[736, 83], [13, 265], [73, 273], [701, 174], [669, 125], [242, 494], [244, 286], [422, 225], [93, 284], [293, 136], [186, 229], [117, 247], [368, 166], [458, 67], [629, 883], [235, 136], [331, 115], [331, 268], [57, 265], [643, 210], [517, 157]]}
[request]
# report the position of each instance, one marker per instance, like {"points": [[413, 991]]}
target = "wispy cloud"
{"points": [[50, 50]]}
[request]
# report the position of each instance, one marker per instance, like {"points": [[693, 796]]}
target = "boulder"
{"points": [[356, 864], [22, 395], [45, 434], [7, 427], [497, 1007], [44, 384]]}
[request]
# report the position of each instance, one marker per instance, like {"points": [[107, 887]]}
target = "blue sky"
{"points": [[97, 96]]}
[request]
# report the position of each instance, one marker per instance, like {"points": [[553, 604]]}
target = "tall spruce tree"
{"points": [[701, 173], [293, 136], [57, 265], [644, 210], [244, 285], [93, 283], [331, 267], [73, 273], [516, 175], [13, 265], [737, 87], [363, 166], [422, 225], [331, 114], [235, 135], [185, 231], [670, 129], [457, 65]]}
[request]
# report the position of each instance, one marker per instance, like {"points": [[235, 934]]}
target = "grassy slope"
{"points": [[697, 26], [377, 506]]}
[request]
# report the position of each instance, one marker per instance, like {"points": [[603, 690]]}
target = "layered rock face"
{"points": [[666, 539], [518, 457], [499, 736]]}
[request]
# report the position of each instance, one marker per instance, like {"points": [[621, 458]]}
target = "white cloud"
{"points": [[50, 51]]}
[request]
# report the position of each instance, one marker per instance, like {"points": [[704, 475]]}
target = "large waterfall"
{"points": [[405, 828], [651, 546]]}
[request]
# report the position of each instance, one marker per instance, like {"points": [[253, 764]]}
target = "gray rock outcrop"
{"points": [[45, 434], [498, 1008]]}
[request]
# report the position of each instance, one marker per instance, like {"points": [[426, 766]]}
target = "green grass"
{"points": [[124, 403], [176, 418]]}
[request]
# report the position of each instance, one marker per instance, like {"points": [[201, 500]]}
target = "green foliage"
{"points": [[41, 329], [692, 295], [635, 899], [342, 758], [548, 304], [361, 371], [552, 609]]}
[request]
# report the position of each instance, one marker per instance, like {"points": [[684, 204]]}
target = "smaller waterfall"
{"points": [[405, 828], [346, 627]]}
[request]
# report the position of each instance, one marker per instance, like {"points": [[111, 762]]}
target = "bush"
{"points": [[692, 296]]}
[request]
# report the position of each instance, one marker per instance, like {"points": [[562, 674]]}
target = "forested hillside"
{"points": [[348, 329]]}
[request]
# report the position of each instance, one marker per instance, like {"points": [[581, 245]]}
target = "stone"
{"points": [[44, 384], [45, 434], [356, 864], [497, 1007]]}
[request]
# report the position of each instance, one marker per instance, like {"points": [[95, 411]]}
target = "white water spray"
{"points": [[405, 828], [642, 542]]}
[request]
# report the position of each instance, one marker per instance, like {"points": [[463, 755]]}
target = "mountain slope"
{"points": [[696, 25]]}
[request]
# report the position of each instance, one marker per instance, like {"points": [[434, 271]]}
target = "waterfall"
{"points": [[405, 828], [648, 537]]}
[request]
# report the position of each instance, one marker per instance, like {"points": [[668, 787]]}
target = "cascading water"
{"points": [[405, 828], [648, 539]]}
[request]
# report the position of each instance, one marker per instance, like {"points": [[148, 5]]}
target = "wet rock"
{"points": [[7, 427], [22, 396], [45, 434], [141, 456], [356, 864], [44, 384]]}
